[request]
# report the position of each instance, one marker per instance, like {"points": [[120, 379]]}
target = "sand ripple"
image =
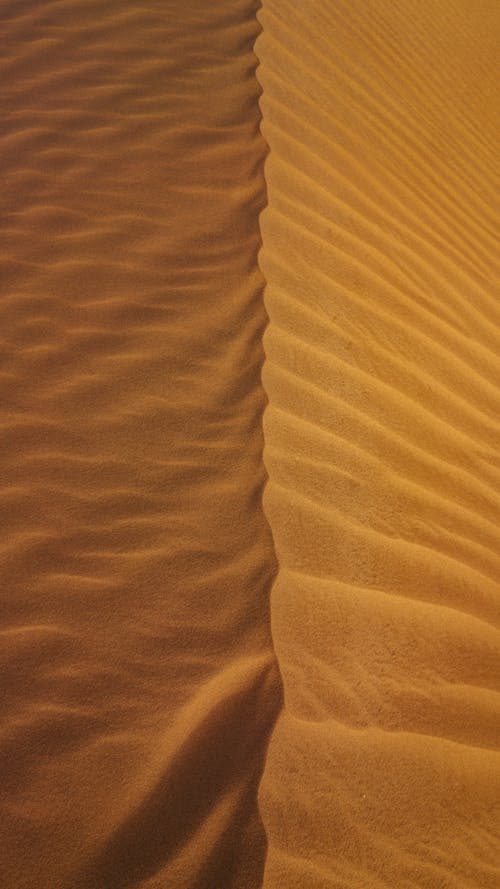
{"points": [[140, 663], [383, 361], [139, 683]]}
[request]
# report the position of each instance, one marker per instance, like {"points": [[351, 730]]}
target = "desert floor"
{"points": [[250, 444]]}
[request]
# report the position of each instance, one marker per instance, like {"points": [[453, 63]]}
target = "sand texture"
{"points": [[138, 677], [383, 441], [250, 444]]}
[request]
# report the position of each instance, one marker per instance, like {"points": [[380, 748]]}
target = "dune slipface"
{"points": [[380, 251], [138, 680]]}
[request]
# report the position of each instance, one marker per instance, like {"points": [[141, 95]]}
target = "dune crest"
{"points": [[164, 725]]}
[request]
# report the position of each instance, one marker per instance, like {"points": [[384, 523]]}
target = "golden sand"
{"points": [[202, 689], [383, 441]]}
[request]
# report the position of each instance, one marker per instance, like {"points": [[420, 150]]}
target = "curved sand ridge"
{"points": [[138, 675], [380, 252], [138, 681]]}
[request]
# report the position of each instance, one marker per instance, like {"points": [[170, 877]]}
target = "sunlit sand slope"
{"points": [[138, 684], [383, 441]]}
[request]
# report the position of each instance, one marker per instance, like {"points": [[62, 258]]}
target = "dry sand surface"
{"points": [[169, 721], [138, 683], [383, 441]]}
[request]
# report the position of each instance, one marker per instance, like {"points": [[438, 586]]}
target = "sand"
{"points": [[250, 445], [380, 252], [139, 681]]}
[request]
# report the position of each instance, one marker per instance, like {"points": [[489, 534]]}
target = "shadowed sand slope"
{"points": [[138, 683], [383, 441]]}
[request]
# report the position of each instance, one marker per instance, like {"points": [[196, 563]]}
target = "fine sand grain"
{"points": [[383, 441], [138, 683], [142, 666]]}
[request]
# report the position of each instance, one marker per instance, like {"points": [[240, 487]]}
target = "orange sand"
{"points": [[142, 666], [139, 681]]}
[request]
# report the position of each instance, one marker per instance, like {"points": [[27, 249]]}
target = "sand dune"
{"points": [[136, 561], [382, 441], [144, 654]]}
